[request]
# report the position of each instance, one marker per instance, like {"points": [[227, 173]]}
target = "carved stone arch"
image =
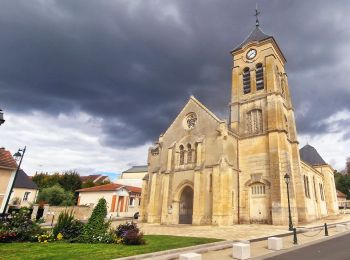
{"points": [[179, 189], [251, 182]]}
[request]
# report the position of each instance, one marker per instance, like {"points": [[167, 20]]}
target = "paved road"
{"points": [[334, 249]]}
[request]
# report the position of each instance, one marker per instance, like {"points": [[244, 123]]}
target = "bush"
{"points": [[7, 236], [67, 226], [123, 228], [133, 237], [130, 234], [96, 227], [21, 225], [56, 196]]}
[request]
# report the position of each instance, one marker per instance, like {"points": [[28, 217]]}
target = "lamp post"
{"points": [[18, 157], [2, 120], [287, 180]]}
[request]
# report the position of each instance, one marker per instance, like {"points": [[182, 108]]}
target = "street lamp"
{"points": [[18, 157], [287, 180], [2, 120]]}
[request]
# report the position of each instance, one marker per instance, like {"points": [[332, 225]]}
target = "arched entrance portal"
{"points": [[186, 206]]}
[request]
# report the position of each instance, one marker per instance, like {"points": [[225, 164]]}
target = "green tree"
{"points": [[342, 183], [56, 196], [96, 225], [70, 181]]}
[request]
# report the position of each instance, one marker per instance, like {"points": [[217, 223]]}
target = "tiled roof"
{"points": [[310, 155], [110, 187], [93, 178], [23, 181], [6, 159], [140, 168], [340, 194]]}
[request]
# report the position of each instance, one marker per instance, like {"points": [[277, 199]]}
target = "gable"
{"points": [[206, 123]]}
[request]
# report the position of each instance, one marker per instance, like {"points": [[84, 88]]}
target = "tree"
{"points": [[96, 226], [56, 196], [347, 168], [70, 181], [342, 183]]}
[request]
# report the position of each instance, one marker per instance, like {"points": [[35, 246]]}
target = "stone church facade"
{"points": [[204, 170]]}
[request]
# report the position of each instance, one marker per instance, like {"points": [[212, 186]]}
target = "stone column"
{"points": [[165, 187], [153, 216], [197, 198]]}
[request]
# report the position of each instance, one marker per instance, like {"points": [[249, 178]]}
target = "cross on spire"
{"points": [[256, 15]]}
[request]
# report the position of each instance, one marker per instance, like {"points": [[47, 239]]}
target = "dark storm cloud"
{"points": [[135, 63]]}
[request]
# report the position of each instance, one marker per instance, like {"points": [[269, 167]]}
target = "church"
{"points": [[207, 171]]}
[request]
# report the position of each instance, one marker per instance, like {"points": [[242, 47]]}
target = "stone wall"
{"points": [[80, 212]]}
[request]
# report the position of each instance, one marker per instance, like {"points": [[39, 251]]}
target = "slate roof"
{"points": [[111, 187], [23, 181], [256, 35], [310, 155], [6, 159], [140, 168]]}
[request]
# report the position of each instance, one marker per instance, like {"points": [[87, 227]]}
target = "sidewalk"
{"points": [[256, 234], [259, 249], [235, 232]]}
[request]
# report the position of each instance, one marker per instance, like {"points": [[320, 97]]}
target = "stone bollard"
{"points": [[190, 256], [340, 228], [241, 251], [274, 243]]}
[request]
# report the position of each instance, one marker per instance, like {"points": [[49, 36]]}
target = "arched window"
{"points": [[189, 153], [259, 76], [195, 153], [246, 80], [182, 155], [254, 121]]}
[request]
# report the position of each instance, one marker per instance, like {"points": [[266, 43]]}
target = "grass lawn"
{"points": [[60, 250]]}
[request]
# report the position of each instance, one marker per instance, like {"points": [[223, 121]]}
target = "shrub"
{"points": [[73, 231], [7, 236], [130, 234], [45, 238], [122, 228], [96, 226], [64, 220], [67, 226], [133, 237], [21, 224], [56, 196]]}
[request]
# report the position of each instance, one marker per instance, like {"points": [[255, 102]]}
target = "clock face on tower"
{"points": [[251, 54]]}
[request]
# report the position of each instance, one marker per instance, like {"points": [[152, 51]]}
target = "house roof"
{"points": [[139, 168], [7, 160], [23, 181], [111, 187], [340, 194], [310, 155], [93, 178]]}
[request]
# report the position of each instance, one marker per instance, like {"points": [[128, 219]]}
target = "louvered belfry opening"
{"points": [[259, 76], [246, 81]]}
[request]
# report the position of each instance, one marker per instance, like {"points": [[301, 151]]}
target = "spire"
{"points": [[256, 15]]}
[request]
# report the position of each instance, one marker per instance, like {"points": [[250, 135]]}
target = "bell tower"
{"points": [[261, 114]]}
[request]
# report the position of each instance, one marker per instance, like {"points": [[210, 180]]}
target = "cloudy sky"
{"points": [[88, 85]]}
